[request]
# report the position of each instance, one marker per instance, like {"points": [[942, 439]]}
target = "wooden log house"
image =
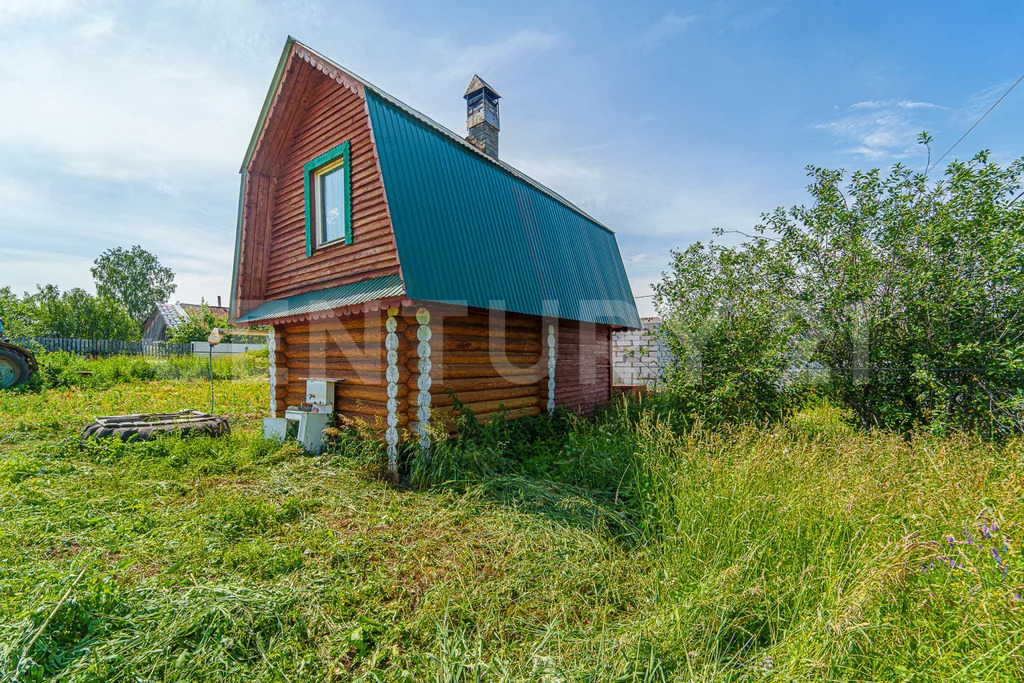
{"points": [[411, 264]]}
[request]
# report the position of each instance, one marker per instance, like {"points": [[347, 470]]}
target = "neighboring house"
{"points": [[412, 266], [160, 324]]}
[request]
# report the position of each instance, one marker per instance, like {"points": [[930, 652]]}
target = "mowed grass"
{"points": [[624, 548]]}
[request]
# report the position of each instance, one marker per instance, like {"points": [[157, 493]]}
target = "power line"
{"points": [[1001, 98]]}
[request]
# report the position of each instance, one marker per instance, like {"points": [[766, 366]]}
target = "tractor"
{"points": [[17, 364]]}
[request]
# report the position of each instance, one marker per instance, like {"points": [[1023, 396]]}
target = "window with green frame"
{"points": [[328, 192]]}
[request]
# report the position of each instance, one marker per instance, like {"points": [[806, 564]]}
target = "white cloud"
{"points": [[19, 201], [665, 29], [129, 121], [21, 269], [897, 104], [101, 26], [980, 101], [30, 10], [143, 120], [880, 129]]}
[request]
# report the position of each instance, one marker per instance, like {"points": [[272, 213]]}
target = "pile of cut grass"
{"points": [[627, 548]]}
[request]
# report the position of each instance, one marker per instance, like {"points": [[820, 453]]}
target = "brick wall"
{"points": [[638, 356]]}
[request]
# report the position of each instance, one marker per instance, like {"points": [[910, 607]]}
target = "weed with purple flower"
{"points": [[982, 552]]}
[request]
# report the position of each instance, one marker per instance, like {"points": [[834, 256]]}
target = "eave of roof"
{"points": [[343, 297]]}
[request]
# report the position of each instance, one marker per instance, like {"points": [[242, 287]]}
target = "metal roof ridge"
{"points": [[453, 135]]}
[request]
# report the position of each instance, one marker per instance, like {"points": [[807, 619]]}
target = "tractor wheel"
{"points": [[14, 368], [147, 427]]}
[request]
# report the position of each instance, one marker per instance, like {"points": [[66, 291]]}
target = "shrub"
{"points": [[907, 291]]}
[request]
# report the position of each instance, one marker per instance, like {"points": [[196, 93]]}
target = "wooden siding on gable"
{"points": [[333, 115], [312, 114]]}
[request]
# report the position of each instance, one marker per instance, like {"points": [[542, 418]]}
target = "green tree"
{"points": [[723, 322], [197, 326], [135, 278], [78, 314], [17, 321], [916, 289], [909, 290]]}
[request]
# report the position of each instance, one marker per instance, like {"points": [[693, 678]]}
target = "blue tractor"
{"points": [[17, 364]]}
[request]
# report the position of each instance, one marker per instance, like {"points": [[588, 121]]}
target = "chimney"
{"points": [[218, 301], [482, 120]]}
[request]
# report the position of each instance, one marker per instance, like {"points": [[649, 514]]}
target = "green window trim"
{"points": [[308, 169]]}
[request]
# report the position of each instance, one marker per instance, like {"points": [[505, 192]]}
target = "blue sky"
{"points": [[124, 123]]}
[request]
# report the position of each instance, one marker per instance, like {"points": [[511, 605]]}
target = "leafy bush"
{"points": [[197, 327], [907, 291], [725, 325]]}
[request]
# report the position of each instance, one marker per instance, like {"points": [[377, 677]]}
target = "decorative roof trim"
{"points": [[361, 295], [333, 71], [368, 307], [380, 174], [268, 103]]}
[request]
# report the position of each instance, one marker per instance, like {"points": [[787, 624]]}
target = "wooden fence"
{"points": [[106, 347]]}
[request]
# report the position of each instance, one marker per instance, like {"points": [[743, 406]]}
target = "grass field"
{"points": [[628, 548]]}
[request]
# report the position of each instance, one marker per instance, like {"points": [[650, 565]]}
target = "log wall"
{"points": [[487, 362], [582, 366], [351, 349]]}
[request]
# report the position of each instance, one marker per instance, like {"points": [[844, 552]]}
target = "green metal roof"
{"points": [[327, 299], [474, 231]]}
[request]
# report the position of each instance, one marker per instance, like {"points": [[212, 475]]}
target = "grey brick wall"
{"points": [[638, 356]]}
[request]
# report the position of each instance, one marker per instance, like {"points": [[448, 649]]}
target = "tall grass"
{"points": [[639, 546], [62, 369], [807, 549]]}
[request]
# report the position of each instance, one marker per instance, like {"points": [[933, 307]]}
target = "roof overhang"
{"points": [[363, 296]]}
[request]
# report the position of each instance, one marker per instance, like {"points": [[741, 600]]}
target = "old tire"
{"points": [[14, 368], [206, 425]]}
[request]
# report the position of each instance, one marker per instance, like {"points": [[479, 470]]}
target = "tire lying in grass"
{"points": [[143, 427]]}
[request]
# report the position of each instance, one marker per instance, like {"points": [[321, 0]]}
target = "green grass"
{"points": [[60, 369], [627, 548]]}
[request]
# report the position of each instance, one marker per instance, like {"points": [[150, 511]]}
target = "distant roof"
{"points": [[175, 314], [192, 309], [478, 83]]}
